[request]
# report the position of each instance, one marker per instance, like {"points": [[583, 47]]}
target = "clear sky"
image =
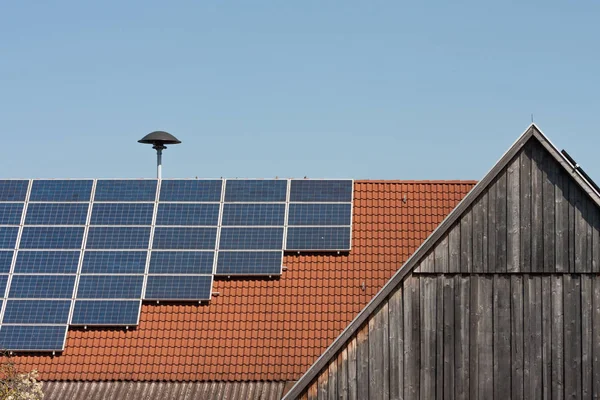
{"points": [[324, 89]]}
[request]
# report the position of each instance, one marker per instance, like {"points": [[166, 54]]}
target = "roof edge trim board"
{"points": [[410, 264]]}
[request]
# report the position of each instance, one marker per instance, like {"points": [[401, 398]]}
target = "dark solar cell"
{"points": [[114, 262], [106, 312], [185, 238], [42, 286], [188, 214], [321, 238], [110, 287], [256, 190], [61, 190], [37, 312], [191, 190], [42, 237], [253, 214], [122, 213], [12, 190], [181, 262], [125, 190], [3, 280], [318, 191], [8, 237], [118, 237], [190, 287], [251, 239], [5, 261], [56, 214], [33, 338], [320, 214], [10, 213], [249, 262], [47, 262]]}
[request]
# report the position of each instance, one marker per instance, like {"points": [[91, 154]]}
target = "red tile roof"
{"points": [[266, 329]]}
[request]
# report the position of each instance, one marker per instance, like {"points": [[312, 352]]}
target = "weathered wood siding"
{"points": [[505, 305]]}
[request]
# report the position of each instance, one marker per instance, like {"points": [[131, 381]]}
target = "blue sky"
{"points": [[378, 90]]}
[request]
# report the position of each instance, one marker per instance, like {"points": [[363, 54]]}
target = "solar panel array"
{"points": [[87, 252]]}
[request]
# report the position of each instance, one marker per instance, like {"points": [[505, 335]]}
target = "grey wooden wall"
{"points": [[506, 305]]}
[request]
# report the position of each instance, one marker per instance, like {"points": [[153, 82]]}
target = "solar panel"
{"points": [[10, 213], [251, 239], [8, 237], [188, 214], [100, 237], [3, 281], [185, 238], [37, 312], [122, 214], [56, 214], [106, 312], [61, 190], [51, 237], [320, 214], [181, 262], [170, 287], [110, 287], [47, 262], [125, 190], [191, 190], [314, 191], [114, 262], [249, 262], [256, 191], [318, 239], [13, 190], [33, 338], [42, 286], [239, 214], [5, 261]]}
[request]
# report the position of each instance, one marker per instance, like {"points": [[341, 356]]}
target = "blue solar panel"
{"points": [[249, 262], [37, 312], [47, 262], [256, 190], [3, 280], [114, 262], [125, 190], [190, 287], [188, 214], [5, 261], [42, 237], [61, 190], [110, 286], [118, 237], [42, 286], [56, 214], [106, 312], [320, 214], [185, 238], [253, 214], [33, 338], [251, 239], [320, 238], [11, 190], [8, 237], [10, 213], [122, 213], [321, 191], [191, 190], [181, 262]]}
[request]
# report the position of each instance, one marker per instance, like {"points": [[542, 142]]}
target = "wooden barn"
{"points": [[502, 301]]}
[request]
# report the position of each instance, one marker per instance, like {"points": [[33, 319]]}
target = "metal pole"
{"points": [[159, 148]]}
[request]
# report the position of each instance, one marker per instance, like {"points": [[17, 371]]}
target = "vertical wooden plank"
{"points": [[486, 231], [525, 209], [573, 191], [386, 351], [396, 346], [492, 259], [516, 336], [478, 235], [426, 265], [439, 340], [428, 337], [532, 327], [572, 332], [412, 340], [449, 332], [580, 232], [586, 336], [537, 211], [549, 206], [561, 239], [342, 378], [557, 337], [513, 218], [595, 216], [466, 242], [313, 391], [502, 336], [362, 362], [352, 384], [332, 386], [454, 249], [441, 256], [322, 393], [596, 337], [501, 235], [376, 356], [546, 334], [461, 337], [481, 353], [589, 208]]}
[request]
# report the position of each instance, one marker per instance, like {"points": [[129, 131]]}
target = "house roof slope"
{"points": [[257, 329]]}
